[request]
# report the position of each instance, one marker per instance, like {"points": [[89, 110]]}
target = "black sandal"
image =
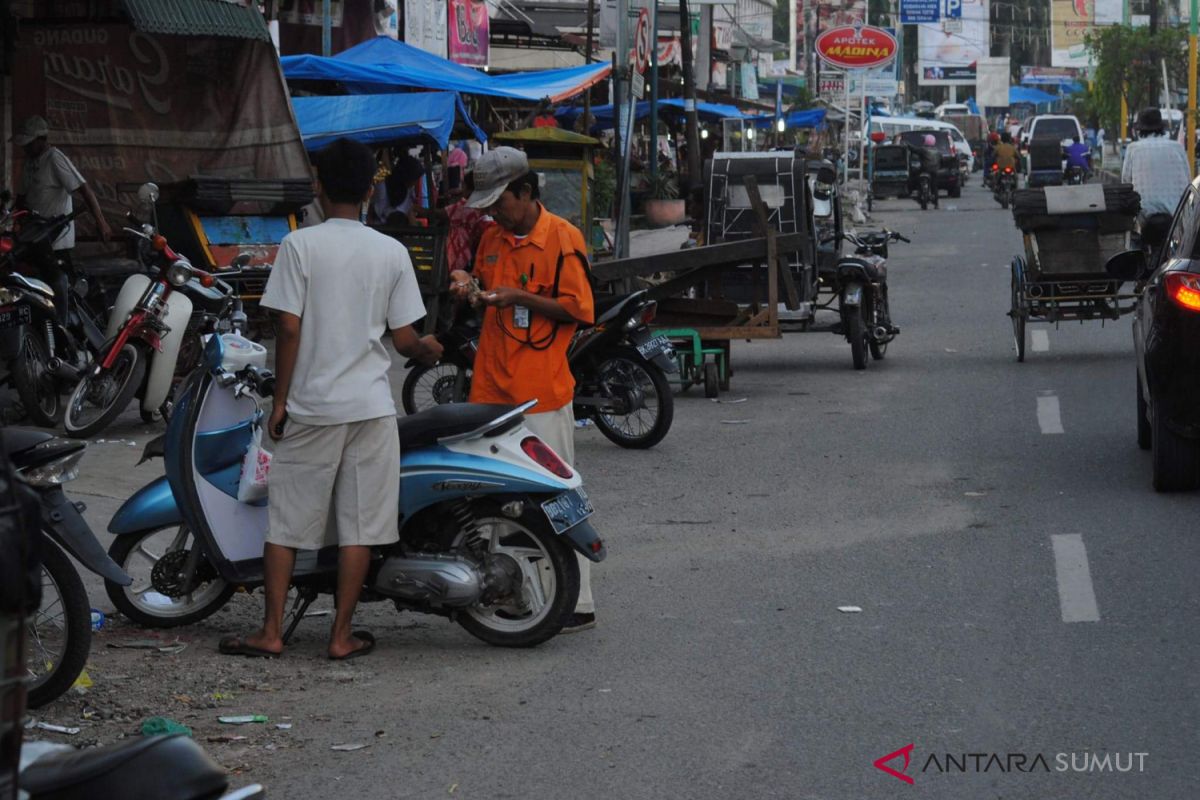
{"points": [[234, 646], [362, 636]]}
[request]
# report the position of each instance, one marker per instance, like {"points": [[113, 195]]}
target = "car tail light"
{"points": [[1184, 290], [546, 458], [1008, 170]]}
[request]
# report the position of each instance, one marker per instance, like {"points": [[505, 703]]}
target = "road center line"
{"points": [[1076, 597], [1040, 340], [1048, 415]]}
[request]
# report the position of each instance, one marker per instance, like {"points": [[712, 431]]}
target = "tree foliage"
{"points": [[1129, 63]]}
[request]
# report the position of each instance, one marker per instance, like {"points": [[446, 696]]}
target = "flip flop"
{"points": [[234, 646], [362, 636]]}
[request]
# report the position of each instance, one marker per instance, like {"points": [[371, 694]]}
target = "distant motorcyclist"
{"points": [[1078, 155], [929, 160], [989, 157], [1006, 154]]}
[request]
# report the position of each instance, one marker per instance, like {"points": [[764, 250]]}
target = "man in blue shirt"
{"points": [[1078, 155]]}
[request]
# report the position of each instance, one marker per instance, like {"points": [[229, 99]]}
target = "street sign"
{"points": [[641, 41], [831, 84], [916, 11], [953, 9], [856, 46], [952, 25], [638, 85]]}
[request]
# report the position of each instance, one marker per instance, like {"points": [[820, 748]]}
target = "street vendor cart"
{"points": [[1069, 234]]}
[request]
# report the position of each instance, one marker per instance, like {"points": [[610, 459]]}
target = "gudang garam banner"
{"points": [[1070, 22], [467, 38], [948, 51]]}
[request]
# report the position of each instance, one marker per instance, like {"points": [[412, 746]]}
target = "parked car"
{"points": [[1166, 336]]}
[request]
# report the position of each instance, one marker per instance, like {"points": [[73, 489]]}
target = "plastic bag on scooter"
{"points": [[256, 466]]}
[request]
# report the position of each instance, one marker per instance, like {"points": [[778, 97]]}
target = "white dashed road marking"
{"points": [[1049, 417], [1040, 340], [1076, 597]]}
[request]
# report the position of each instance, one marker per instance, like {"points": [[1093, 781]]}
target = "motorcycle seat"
{"points": [[424, 428], [875, 269], [136, 769], [108, 267], [209, 300], [609, 307]]}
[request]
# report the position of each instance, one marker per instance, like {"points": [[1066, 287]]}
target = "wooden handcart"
{"points": [[1070, 232]]}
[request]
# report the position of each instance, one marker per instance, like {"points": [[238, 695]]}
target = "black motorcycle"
{"points": [[1004, 185], [44, 357], [926, 191], [60, 634], [1076, 175], [866, 319], [620, 369]]}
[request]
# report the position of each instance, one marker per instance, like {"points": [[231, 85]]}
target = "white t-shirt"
{"points": [[47, 183], [347, 283]]}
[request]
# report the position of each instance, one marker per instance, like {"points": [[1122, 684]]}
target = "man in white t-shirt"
{"points": [[336, 287]]}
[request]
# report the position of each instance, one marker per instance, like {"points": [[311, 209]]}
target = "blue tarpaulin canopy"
{"points": [[371, 119], [812, 118], [603, 115], [1023, 94], [383, 65]]}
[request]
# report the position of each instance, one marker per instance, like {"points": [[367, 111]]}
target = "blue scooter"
{"points": [[490, 516]]}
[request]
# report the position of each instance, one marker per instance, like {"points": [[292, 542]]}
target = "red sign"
{"points": [[641, 41], [856, 46]]}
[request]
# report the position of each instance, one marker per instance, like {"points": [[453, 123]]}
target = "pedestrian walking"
{"points": [[336, 288], [533, 268]]}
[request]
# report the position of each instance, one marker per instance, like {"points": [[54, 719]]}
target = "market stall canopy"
{"points": [[1023, 94], [383, 65], [373, 120], [603, 115], [810, 118]]}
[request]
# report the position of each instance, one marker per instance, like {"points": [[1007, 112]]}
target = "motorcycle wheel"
{"points": [[426, 387], [35, 383], [879, 317], [549, 578], [643, 427], [856, 333], [924, 200], [60, 633], [107, 391], [1004, 199], [157, 557]]}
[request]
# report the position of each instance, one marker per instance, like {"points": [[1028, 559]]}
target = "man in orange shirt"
{"points": [[533, 268]]}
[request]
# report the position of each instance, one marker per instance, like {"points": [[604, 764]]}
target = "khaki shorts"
{"points": [[335, 484]]}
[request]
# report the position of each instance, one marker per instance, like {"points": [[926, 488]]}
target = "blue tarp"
{"points": [[812, 118], [371, 119], [1023, 94], [383, 65], [603, 115]]}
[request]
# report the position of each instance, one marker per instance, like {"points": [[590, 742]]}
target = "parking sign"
{"points": [[952, 9]]}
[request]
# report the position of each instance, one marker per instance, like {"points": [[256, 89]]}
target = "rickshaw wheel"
{"points": [[1018, 312]]}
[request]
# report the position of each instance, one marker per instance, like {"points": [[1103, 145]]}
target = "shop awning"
{"points": [[238, 19], [603, 115], [385, 65], [373, 120], [809, 118], [1023, 94]]}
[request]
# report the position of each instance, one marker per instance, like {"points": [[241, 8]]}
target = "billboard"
{"points": [[948, 51], [467, 42], [425, 25], [1070, 21]]}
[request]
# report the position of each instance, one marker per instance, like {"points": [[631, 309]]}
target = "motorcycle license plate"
{"points": [[15, 316], [568, 509], [656, 346]]}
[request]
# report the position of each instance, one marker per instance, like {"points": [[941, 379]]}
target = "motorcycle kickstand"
{"points": [[304, 599]]}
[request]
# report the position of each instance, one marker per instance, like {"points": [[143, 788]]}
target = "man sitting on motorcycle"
{"points": [[1006, 154], [1078, 155], [929, 161], [989, 157], [1157, 166]]}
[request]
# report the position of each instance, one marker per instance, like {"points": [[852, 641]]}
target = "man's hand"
{"points": [[275, 423], [104, 228], [460, 284], [431, 350], [503, 297]]}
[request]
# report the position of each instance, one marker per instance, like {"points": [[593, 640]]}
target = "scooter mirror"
{"points": [[148, 194]]}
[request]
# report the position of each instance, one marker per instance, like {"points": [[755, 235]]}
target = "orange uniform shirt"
{"points": [[514, 364]]}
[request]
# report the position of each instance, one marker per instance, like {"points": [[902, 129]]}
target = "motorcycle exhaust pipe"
{"points": [[881, 332], [62, 369]]}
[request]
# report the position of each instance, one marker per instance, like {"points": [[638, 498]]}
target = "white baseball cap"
{"points": [[494, 171], [33, 128]]}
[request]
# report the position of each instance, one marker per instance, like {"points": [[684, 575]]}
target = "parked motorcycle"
{"points": [[620, 369], [1004, 184], [44, 357], [60, 633], [147, 330], [866, 319], [147, 768], [490, 516]]}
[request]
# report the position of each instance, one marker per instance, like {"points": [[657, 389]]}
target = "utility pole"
{"points": [[326, 28], [653, 92], [1193, 29], [587, 59], [689, 98], [1125, 19]]}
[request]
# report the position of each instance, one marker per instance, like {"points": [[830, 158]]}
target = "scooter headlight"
{"points": [[53, 473], [179, 273]]}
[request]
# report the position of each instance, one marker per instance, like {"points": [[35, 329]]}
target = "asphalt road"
{"points": [[929, 491]]}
